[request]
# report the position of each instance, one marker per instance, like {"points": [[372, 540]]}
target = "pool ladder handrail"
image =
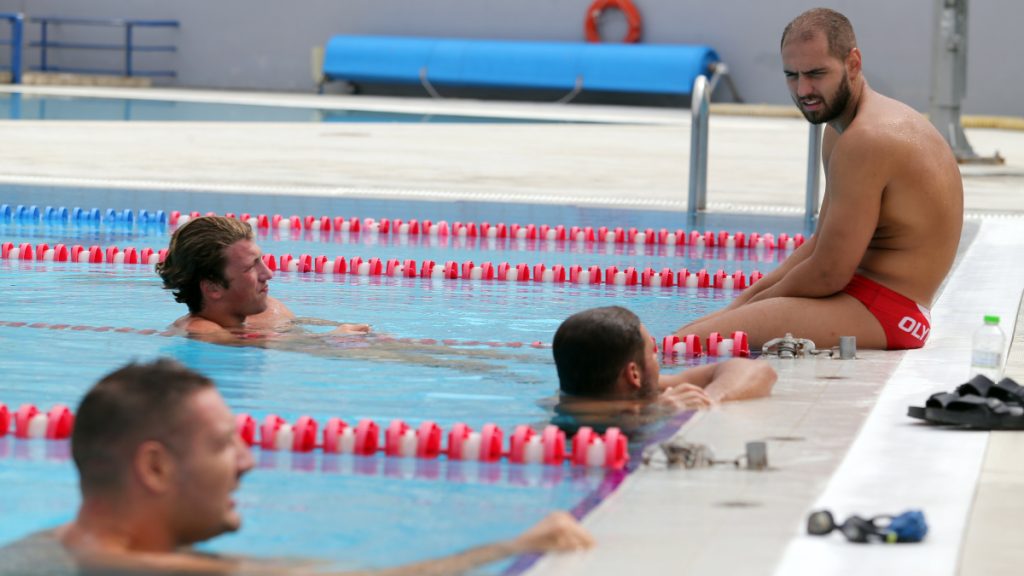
{"points": [[700, 104], [700, 107]]}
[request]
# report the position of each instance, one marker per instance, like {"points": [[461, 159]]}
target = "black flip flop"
{"points": [[979, 413], [1008, 391], [977, 386], [939, 400]]}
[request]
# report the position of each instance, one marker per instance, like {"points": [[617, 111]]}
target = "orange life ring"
{"points": [[625, 6]]}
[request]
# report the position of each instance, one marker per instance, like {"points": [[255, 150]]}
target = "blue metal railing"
{"points": [[17, 22], [129, 47]]}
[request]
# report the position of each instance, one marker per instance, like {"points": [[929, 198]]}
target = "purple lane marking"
{"points": [[612, 480]]}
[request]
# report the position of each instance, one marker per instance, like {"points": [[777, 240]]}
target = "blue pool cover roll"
{"points": [[649, 68]]}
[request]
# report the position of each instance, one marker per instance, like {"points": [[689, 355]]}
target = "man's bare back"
{"points": [[921, 206], [891, 217]]}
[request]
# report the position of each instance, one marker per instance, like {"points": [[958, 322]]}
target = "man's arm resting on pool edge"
{"points": [[857, 177], [768, 281], [736, 379], [557, 532]]}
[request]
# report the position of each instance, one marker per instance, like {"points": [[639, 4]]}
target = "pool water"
{"points": [[17, 106], [352, 512]]}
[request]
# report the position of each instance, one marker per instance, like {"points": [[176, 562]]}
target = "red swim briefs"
{"points": [[906, 323]]}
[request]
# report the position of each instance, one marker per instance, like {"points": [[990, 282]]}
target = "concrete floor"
{"points": [[836, 430]]}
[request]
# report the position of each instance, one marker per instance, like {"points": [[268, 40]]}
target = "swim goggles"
{"points": [[909, 526]]}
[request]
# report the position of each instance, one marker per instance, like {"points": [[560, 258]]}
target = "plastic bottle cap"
{"points": [[991, 319]]}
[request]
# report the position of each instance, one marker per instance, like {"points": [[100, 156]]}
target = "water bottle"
{"points": [[987, 350]]}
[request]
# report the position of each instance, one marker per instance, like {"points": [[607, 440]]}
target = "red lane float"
{"points": [[689, 345], [29, 422], [425, 441], [591, 449]]}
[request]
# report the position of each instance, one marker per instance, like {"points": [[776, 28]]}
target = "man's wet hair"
{"points": [[836, 27], [592, 347], [134, 404], [196, 253]]}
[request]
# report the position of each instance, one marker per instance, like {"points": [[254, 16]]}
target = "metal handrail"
{"points": [[128, 47], [700, 106], [17, 23], [698, 197], [813, 173]]}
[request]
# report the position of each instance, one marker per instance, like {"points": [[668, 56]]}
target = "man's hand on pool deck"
{"points": [[686, 396], [735, 379], [557, 532]]}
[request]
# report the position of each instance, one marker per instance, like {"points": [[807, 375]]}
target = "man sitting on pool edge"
{"points": [[890, 219], [606, 362], [158, 457]]}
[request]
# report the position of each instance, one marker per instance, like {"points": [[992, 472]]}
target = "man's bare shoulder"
{"points": [[884, 121], [191, 324], [40, 553]]}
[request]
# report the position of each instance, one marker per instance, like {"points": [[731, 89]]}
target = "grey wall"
{"points": [[266, 44]]}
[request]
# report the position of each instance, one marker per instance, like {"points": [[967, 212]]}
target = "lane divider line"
{"points": [[450, 270], [452, 342], [525, 446], [411, 227]]}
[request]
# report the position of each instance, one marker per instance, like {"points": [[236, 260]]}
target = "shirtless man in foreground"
{"points": [[159, 458], [890, 220]]}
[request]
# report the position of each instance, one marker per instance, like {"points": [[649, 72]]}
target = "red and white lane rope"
{"points": [[602, 234], [30, 215], [486, 244], [525, 446], [29, 422], [672, 346], [442, 470], [716, 345], [450, 270]]}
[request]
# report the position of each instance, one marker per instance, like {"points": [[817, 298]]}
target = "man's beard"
{"points": [[830, 109], [649, 385]]}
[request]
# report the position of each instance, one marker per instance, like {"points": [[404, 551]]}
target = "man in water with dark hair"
{"points": [[607, 354], [158, 458], [890, 220]]}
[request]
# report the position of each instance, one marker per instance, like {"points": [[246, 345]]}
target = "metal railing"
{"points": [[697, 199], [813, 173], [700, 105], [129, 47], [17, 23]]}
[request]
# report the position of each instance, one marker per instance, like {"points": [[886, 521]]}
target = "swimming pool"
{"points": [[350, 511], [18, 106]]}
